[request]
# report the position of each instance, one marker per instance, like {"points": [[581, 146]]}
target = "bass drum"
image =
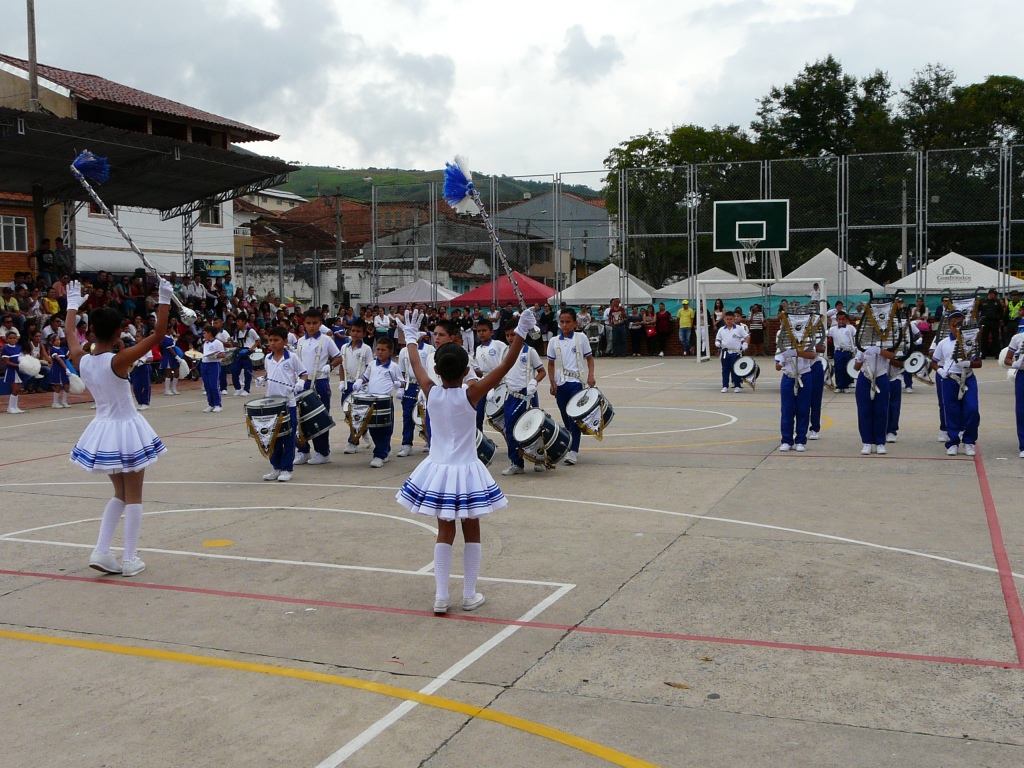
{"points": [[591, 411], [314, 419], [915, 363], [485, 448], [541, 440], [850, 370]]}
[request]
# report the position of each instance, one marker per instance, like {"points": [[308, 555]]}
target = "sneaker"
{"points": [[57, 405], [784, 448], [426, 449], [881, 450], [302, 458], [350, 448], [1022, 454], [377, 462], [800, 447], [15, 410], [812, 435], [318, 459], [272, 475], [406, 450], [661, 354], [132, 567], [891, 437], [367, 442], [168, 394], [245, 392], [571, 458], [441, 607], [943, 437], [223, 391], [735, 389], [952, 450], [284, 477], [971, 450], [238, 393], [539, 468], [208, 409], [865, 450], [725, 389], [472, 603], [91, 407], [142, 407], [104, 562], [217, 409], [909, 390], [68, 405], [513, 469]]}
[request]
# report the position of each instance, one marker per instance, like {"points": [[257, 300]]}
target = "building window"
{"points": [[210, 216], [13, 233], [95, 210]]}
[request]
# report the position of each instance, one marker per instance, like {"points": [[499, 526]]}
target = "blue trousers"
{"points": [[1018, 388], [872, 414], [211, 382], [796, 408], [282, 458], [242, 363], [381, 437], [142, 385], [619, 340], [895, 403], [222, 381], [562, 397], [514, 408], [908, 380], [942, 410], [728, 358], [962, 416], [842, 359], [408, 409], [817, 390]]}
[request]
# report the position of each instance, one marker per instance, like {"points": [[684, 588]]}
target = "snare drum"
{"points": [[591, 411], [485, 448], [541, 440], [851, 371], [915, 362], [370, 412], [229, 357], [314, 419], [495, 408], [256, 357], [267, 420]]}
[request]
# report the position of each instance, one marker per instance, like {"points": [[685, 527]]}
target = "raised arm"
{"points": [[123, 360], [75, 301], [410, 328], [479, 388]]}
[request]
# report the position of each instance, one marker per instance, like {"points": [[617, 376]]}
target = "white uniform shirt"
{"points": [[791, 366], [489, 355], [211, 349], [731, 339], [246, 338], [282, 375], [567, 353], [873, 365], [426, 353], [843, 338], [382, 379], [292, 342], [1017, 347], [356, 360], [316, 351], [524, 369], [943, 355]]}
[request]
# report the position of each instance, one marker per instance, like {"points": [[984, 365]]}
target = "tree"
{"points": [[874, 129], [989, 113], [926, 109]]}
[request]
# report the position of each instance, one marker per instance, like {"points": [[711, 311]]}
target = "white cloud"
{"points": [[582, 62]]}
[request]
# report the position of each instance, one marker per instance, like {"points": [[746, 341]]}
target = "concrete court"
{"points": [[819, 609]]}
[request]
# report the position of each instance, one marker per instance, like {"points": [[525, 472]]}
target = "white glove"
{"points": [[299, 387], [531, 387], [527, 321], [74, 295], [325, 369], [357, 385], [166, 292], [410, 327], [789, 354], [743, 347]]}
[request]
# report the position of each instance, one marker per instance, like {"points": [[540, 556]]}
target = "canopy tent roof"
{"points": [[418, 292], [681, 290], [826, 266], [955, 273], [605, 285], [534, 292]]}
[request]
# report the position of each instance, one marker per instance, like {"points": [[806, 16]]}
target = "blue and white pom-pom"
{"points": [[93, 168], [458, 186]]}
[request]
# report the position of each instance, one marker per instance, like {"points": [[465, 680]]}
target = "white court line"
{"points": [[732, 420], [90, 415], [690, 515], [436, 684], [629, 370]]}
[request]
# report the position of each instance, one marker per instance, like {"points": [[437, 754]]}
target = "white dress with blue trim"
{"points": [[451, 483], [119, 439]]}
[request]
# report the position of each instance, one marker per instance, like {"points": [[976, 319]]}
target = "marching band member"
{"points": [[410, 395], [795, 397], [817, 389], [140, 376], [842, 335], [169, 363], [286, 377], [357, 357], [892, 419], [213, 352], [731, 341], [246, 339], [381, 380], [318, 354], [59, 370], [521, 382], [11, 355], [1015, 359], [568, 353], [943, 436], [959, 390], [488, 354], [873, 397], [224, 338]]}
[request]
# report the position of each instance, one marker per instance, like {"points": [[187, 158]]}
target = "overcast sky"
{"points": [[520, 88]]}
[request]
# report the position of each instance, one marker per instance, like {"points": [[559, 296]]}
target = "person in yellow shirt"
{"points": [[49, 304], [686, 317]]}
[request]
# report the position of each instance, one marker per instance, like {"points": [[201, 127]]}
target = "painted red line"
{"points": [[528, 624], [802, 457], [37, 458], [1013, 607], [206, 429]]}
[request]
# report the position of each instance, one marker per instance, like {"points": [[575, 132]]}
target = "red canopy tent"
{"points": [[534, 292]]}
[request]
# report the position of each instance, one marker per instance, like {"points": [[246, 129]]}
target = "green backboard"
{"points": [[764, 220]]}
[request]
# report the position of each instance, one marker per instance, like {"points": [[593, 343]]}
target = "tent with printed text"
{"points": [[955, 273]]}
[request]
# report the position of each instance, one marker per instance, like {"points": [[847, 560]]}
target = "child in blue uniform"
{"points": [[381, 380], [169, 363], [59, 381], [213, 353], [142, 377], [11, 355], [286, 377]]}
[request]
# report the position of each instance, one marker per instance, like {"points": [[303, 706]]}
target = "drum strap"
{"points": [[580, 358], [266, 447]]}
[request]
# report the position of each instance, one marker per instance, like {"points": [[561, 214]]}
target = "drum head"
{"points": [[582, 403], [915, 362], [266, 403], [744, 367], [850, 370], [528, 426], [496, 400], [256, 356]]}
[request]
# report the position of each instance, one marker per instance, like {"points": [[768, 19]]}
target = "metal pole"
{"points": [[280, 273], [416, 245], [245, 278], [338, 243], [33, 78], [316, 279], [904, 262], [373, 245]]}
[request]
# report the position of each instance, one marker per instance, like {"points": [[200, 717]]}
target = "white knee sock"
{"points": [[12, 403], [132, 524], [111, 514], [174, 385], [64, 398], [471, 554], [442, 569], [167, 384], [56, 399]]}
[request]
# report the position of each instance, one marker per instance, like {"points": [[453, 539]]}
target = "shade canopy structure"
{"points": [[681, 290], [533, 292], [827, 264], [956, 273], [606, 284], [419, 292]]}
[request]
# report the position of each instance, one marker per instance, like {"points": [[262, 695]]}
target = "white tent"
{"points": [[419, 292], [826, 265], [955, 273], [604, 285], [681, 290]]}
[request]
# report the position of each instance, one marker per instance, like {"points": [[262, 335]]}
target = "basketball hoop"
{"points": [[749, 248]]}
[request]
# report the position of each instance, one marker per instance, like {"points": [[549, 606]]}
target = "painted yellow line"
{"points": [[511, 721]]}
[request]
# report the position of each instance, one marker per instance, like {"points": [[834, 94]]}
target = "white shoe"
{"points": [[142, 407], [104, 562], [302, 458], [800, 447], [15, 410], [971, 450], [238, 393], [441, 607], [367, 442], [175, 392], [284, 477], [812, 435], [405, 451], [168, 393], [68, 405], [426, 449], [513, 469], [661, 354], [725, 389], [61, 407], [909, 390], [784, 448], [735, 389], [472, 603], [943, 437], [217, 409], [952, 450], [272, 475], [891, 437], [377, 462], [1022, 454], [881, 450], [539, 468], [132, 567], [318, 459], [91, 407], [208, 409], [351, 448], [571, 458], [865, 450], [245, 392], [223, 391]]}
